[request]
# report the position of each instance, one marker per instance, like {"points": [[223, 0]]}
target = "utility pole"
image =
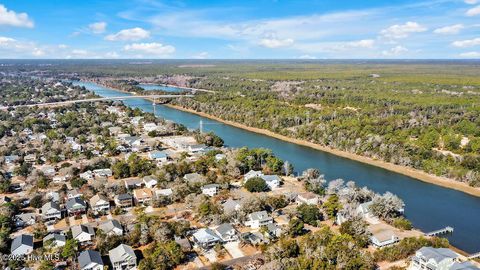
{"points": [[154, 106], [201, 126]]}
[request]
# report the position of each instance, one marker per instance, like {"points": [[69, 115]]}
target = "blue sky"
{"points": [[314, 29]]}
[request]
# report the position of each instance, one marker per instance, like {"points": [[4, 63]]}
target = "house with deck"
{"points": [[123, 258], [99, 204], [258, 219], [90, 260]]}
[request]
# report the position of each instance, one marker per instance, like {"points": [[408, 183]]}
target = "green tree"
{"points": [[332, 206], [295, 227], [309, 214], [256, 184]]}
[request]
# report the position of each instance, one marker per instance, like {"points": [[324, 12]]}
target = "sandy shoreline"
{"points": [[414, 173]]}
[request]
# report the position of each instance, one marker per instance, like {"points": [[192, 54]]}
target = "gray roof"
{"points": [[205, 235], [78, 229], [124, 196], [73, 201], [437, 254], [260, 215], [110, 225], [194, 177], [211, 186], [55, 237], [96, 198], [121, 253], [268, 178], [24, 239], [230, 205], [463, 266], [89, 256], [47, 206], [224, 229]]}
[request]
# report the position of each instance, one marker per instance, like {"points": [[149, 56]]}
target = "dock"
{"points": [[445, 230], [474, 256]]}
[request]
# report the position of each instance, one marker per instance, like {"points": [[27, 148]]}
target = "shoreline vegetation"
{"points": [[414, 173]]}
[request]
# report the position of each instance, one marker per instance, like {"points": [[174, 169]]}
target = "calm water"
{"points": [[150, 87], [429, 207]]}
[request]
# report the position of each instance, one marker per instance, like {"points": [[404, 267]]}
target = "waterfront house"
{"points": [[22, 245], [434, 259], [150, 181], [210, 190], [76, 206], [90, 260], [307, 198], [51, 211], [143, 195], [252, 174], [54, 240], [258, 219], [196, 148], [99, 204], [124, 200], [227, 232], [383, 238], [111, 227], [123, 258], [83, 233], [206, 238], [364, 210], [272, 181]]}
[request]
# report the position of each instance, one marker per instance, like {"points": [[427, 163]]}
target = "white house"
{"points": [[159, 156], [436, 259], [82, 233], [102, 173], [123, 258], [99, 204], [149, 181], [206, 238], [272, 181], [364, 210], [88, 175], [51, 211], [22, 245], [210, 190], [163, 192], [149, 127], [307, 198], [90, 260], [111, 227], [258, 219], [383, 238], [55, 240], [227, 232], [252, 174]]}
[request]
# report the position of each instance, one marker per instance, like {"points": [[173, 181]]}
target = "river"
{"points": [[151, 87], [428, 206]]}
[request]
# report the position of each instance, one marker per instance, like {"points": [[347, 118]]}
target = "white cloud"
{"points": [[399, 31], [98, 27], [364, 43], [471, 2], [132, 34], [273, 43], [21, 49], [449, 30], [202, 55], [470, 54], [466, 43], [397, 50], [11, 18], [307, 56], [62, 46], [473, 11], [79, 52], [151, 49]]}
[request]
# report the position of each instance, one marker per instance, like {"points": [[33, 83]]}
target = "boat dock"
{"points": [[445, 230]]}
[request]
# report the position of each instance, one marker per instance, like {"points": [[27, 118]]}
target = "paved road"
{"points": [[68, 102]]}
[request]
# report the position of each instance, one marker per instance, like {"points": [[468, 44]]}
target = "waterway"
{"points": [[151, 87], [428, 206]]}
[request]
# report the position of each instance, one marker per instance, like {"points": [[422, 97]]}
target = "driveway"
{"points": [[234, 249]]}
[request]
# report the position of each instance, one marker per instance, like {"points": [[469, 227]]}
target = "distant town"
{"points": [[100, 185]]}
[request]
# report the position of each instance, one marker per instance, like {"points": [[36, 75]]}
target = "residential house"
{"points": [[219, 157], [55, 240], [76, 206], [26, 219], [258, 219], [133, 183], [273, 230], [90, 260], [88, 175], [196, 148], [102, 173], [272, 181], [147, 127], [163, 192], [231, 205], [114, 130], [382, 238], [74, 193], [136, 120], [150, 181], [83, 233], [11, 159], [252, 174], [31, 158], [193, 178], [99, 204], [227, 232], [22, 245], [51, 211], [206, 238], [124, 200], [364, 210], [307, 198], [111, 227], [437, 259], [123, 258], [48, 170], [53, 196], [143, 195], [210, 190], [159, 156]]}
